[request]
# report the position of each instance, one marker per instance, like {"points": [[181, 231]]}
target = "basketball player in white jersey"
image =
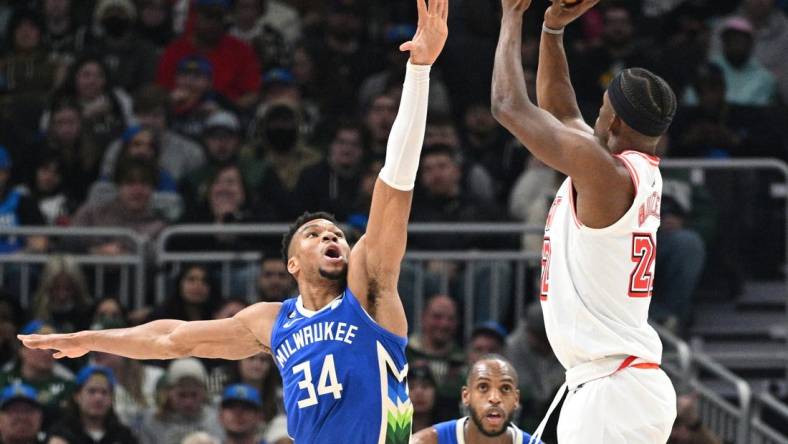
{"points": [[599, 246]]}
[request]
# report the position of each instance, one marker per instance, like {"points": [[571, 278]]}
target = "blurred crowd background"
{"points": [[144, 114]]}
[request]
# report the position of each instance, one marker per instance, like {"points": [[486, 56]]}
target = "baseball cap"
{"points": [[243, 393], [18, 392], [490, 327], [740, 24], [224, 120], [195, 64], [89, 370], [186, 368], [37, 326], [5, 158]]}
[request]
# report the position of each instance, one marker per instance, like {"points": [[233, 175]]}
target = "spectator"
{"points": [[378, 118], [241, 416], [46, 187], [12, 317], [155, 22], [531, 199], [131, 60], [200, 438], [333, 184], [540, 372], [196, 296], [21, 415], [179, 155], [274, 283], [421, 386], [376, 84], [487, 338], [282, 86], [63, 34], [283, 18], [266, 34], [688, 428], [192, 98], [748, 82], [62, 299], [185, 408], [229, 308], [131, 209], [236, 67], [436, 345], [38, 369], [90, 417], [67, 137], [17, 209], [222, 139], [108, 312]]}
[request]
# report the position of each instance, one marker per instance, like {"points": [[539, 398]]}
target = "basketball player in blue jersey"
{"points": [[340, 346], [491, 396]]}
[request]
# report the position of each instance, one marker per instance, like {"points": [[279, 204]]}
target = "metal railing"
{"points": [[133, 263], [761, 432]]}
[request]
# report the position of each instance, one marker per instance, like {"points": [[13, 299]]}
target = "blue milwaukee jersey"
{"points": [[453, 432], [344, 376]]}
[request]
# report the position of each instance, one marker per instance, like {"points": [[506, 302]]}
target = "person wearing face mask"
{"points": [[131, 61]]}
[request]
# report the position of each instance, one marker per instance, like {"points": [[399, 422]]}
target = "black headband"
{"points": [[640, 121]]}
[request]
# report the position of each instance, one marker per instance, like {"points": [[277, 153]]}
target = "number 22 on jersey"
{"points": [[327, 382], [641, 280]]}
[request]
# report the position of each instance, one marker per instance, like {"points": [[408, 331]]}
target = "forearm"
{"points": [[508, 85], [554, 90], [147, 341]]}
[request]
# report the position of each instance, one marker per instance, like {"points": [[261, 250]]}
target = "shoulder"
{"points": [[426, 436], [259, 319]]}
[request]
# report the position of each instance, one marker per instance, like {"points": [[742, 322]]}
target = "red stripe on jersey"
{"points": [[654, 160], [633, 174]]}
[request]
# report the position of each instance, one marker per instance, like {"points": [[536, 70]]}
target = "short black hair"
{"points": [[302, 219], [650, 102], [438, 149]]}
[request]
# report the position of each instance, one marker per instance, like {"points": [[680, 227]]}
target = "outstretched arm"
{"points": [[377, 256], [554, 90], [238, 337]]}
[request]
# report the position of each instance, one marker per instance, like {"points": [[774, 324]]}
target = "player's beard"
{"points": [[339, 275], [479, 425]]}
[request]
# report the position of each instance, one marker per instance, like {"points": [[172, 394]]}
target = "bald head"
{"points": [[492, 364], [491, 395]]}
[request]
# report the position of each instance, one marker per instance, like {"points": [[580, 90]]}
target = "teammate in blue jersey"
{"points": [[491, 396], [340, 346]]}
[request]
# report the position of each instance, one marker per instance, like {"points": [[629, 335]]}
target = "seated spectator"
{"points": [[230, 307], [274, 283], [185, 408], [421, 388], [281, 86], [236, 67], [63, 35], [265, 34], [16, 210], [27, 74], [38, 369], [436, 345], [131, 59], [47, 188], [748, 82], [333, 184], [106, 110], [179, 155], [62, 299], [487, 338], [688, 428], [90, 417], [21, 415], [376, 84], [379, 116], [196, 296], [144, 144], [155, 22], [222, 138], [531, 198], [192, 99], [241, 416], [540, 372], [132, 208]]}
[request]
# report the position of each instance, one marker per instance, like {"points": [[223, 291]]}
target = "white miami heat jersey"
{"points": [[596, 283]]}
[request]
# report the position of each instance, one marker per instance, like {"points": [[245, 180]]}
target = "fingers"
{"points": [[407, 46], [59, 355], [421, 5], [441, 8]]}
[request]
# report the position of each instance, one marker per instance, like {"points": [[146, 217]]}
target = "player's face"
{"points": [[604, 121], [322, 247], [491, 396]]}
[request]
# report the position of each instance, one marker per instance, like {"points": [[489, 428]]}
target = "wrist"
{"points": [[551, 28]]}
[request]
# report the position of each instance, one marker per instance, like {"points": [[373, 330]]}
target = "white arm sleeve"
{"points": [[407, 134]]}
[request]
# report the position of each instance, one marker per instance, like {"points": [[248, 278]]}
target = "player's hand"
{"points": [[67, 345], [431, 33], [515, 6], [557, 16]]}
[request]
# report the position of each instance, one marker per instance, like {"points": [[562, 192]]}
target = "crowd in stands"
{"points": [[148, 113]]}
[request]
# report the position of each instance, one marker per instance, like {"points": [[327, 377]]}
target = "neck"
{"points": [[240, 439], [92, 422], [193, 312], [316, 295], [474, 435]]}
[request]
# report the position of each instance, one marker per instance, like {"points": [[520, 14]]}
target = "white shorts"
{"points": [[632, 406]]}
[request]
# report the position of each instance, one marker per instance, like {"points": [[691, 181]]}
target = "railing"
{"points": [[761, 432], [128, 264]]}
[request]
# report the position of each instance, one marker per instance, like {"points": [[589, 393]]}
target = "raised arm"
{"points": [[375, 260], [571, 151], [554, 90], [244, 335]]}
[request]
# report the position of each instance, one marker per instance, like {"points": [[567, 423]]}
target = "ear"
{"points": [[293, 267], [615, 125], [466, 396], [517, 397]]}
